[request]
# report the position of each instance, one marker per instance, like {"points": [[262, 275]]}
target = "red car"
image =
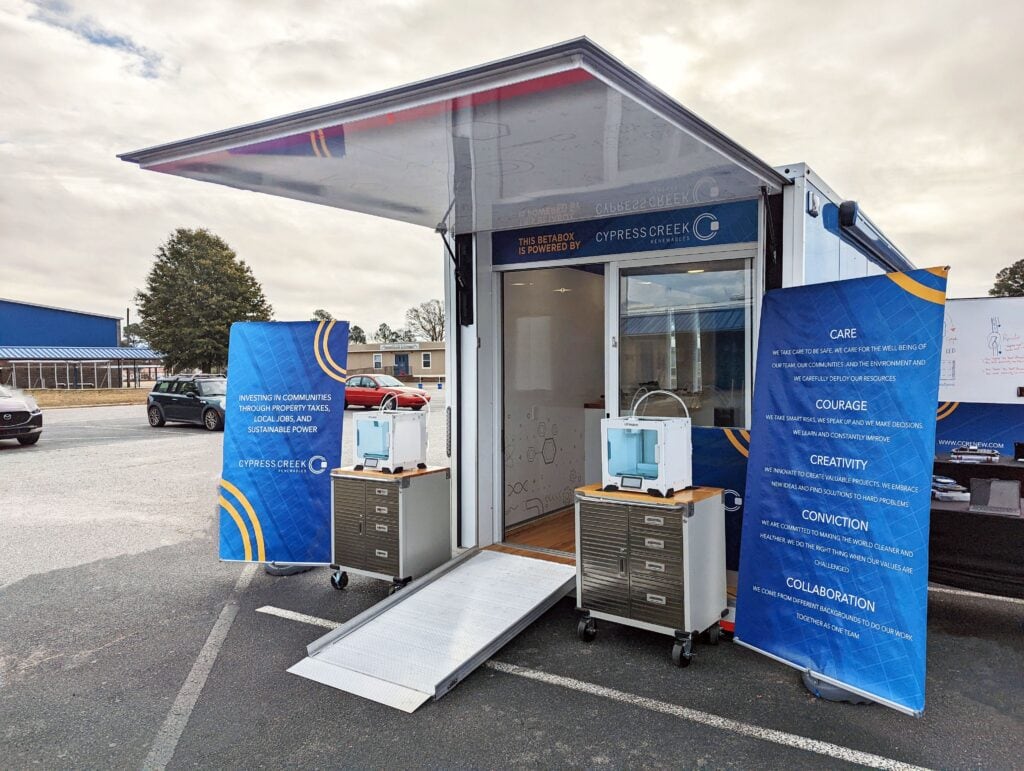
{"points": [[368, 391]]}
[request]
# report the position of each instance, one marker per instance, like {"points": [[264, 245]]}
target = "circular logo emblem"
{"points": [[705, 227], [317, 464], [732, 500], [7, 416]]}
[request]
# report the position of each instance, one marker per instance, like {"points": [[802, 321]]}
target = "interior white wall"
{"points": [[553, 364]]}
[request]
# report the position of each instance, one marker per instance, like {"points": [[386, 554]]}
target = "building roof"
{"points": [[67, 353], [56, 308]]}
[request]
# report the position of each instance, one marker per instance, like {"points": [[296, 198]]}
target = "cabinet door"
{"points": [[349, 523], [603, 557]]}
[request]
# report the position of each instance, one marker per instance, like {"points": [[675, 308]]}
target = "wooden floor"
{"points": [[555, 531], [537, 555]]}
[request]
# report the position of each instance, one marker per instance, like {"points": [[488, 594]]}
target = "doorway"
{"points": [[553, 376]]}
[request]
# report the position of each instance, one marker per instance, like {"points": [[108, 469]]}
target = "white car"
{"points": [[20, 417]]}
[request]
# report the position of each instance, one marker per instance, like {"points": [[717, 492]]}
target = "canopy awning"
{"points": [[561, 134]]}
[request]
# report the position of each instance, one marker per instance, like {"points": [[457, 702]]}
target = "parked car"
{"points": [[195, 399], [20, 417], [370, 390]]}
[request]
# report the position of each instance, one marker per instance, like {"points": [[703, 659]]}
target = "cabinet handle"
{"points": [[657, 567], [656, 599], [360, 531], [382, 491], [381, 509], [382, 553], [659, 521], [654, 543], [381, 528]]}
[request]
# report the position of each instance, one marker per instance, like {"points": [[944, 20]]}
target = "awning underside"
{"points": [[512, 150]]}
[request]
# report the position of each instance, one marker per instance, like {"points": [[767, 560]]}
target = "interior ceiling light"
{"points": [[696, 270], [561, 290]]}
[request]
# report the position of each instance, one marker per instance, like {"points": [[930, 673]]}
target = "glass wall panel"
{"points": [[685, 328]]}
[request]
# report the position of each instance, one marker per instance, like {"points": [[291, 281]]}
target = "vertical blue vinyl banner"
{"points": [[282, 436], [834, 561]]}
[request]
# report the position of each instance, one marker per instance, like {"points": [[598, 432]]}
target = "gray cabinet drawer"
{"points": [[382, 559], [656, 602], [655, 565], [664, 519], [656, 539]]}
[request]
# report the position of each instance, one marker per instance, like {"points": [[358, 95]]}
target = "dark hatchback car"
{"points": [[195, 399], [20, 417]]}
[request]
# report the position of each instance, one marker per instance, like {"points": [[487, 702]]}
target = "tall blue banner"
{"points": [[834, 561], [282, 436]]}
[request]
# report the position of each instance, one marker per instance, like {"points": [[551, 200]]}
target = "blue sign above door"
{"points": [[707, 225]]}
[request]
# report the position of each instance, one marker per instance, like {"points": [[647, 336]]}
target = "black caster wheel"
{"points": [[714, 634], [682, 653], [586, 629], [339, 579], [393, 588]]}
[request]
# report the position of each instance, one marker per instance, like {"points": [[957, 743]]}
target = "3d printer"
{"points": [[647, 454], [391, 441]]}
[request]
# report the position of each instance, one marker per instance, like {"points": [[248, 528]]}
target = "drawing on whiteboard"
{"points": [[995, 337]]}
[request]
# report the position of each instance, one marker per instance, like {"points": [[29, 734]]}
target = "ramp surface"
{"points": [[422, 641]]}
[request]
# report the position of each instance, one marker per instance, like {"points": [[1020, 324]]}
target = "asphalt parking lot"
{"points": [[111, 592]]}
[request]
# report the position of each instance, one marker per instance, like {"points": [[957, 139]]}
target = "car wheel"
{"points": [[29, 439], [391, 403], [156, 418], [212, 420]]}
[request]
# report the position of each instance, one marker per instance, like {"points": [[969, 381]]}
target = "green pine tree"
{"points": [[196, 289]]}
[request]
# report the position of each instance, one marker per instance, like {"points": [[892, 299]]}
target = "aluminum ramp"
{"points": [[422, 641]]}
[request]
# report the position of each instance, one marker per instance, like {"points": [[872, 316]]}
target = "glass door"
{"points": [[685, 328]]}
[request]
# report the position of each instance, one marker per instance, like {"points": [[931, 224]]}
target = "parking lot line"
{"points": [[783, 738], [167, 738]]}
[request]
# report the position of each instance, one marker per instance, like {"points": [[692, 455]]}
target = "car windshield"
{"points": [[213, 387], [390, 382]]}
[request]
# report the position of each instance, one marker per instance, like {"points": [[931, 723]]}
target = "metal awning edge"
{"points": [[575, 52]]}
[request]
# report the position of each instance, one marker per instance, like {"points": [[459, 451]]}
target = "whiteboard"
{"points": [[983, 351]]}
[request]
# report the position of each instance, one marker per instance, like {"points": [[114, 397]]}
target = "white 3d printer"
{"points": [[390, 441], [651, 455]]}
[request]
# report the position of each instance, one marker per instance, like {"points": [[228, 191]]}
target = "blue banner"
{"points": [[720, 460], [989, 426], [708, 225], [282, 436], [834, 561]]}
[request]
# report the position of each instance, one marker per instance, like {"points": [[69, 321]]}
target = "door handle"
{"points": [[622, 562], [360, 531]]}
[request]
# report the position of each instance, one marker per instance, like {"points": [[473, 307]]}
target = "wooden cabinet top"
{"points": [[690, 495], [349, 471]]}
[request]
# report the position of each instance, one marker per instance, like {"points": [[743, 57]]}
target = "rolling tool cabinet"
{"points": [[652, 563], [395, 527]]}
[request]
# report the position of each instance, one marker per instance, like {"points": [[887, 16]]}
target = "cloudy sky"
{"points": [[914, 109]]}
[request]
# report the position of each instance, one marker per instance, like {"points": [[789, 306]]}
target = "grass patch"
{"points": [[89, 397]]}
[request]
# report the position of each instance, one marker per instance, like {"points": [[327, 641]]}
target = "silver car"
{"points": [[20, 417]]}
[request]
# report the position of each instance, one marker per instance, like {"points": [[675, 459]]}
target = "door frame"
{"points": [[613, 265]]}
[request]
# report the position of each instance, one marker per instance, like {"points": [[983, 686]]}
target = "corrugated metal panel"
{"points": [[34, 325], [61, 353]]}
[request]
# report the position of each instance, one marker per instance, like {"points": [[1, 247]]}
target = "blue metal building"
{"points": [[29, 324]]}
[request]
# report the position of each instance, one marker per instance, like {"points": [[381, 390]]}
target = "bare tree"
{"points": [[426, 320]]}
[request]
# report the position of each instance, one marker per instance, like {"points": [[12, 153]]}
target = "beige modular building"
{"points": [[422, 360]]}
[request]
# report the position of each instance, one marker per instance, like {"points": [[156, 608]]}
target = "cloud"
{"points": [[909, 108], [60, 14]]}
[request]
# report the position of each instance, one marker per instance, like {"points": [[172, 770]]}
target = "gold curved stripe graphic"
{"points": [[943, 406], [942, 415], [327, 349], [745, 434], [323, 143], [736, 443], [907, 284], [941, 272], [312, 141], [257, 530], [225, 504], [319, 358]]}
